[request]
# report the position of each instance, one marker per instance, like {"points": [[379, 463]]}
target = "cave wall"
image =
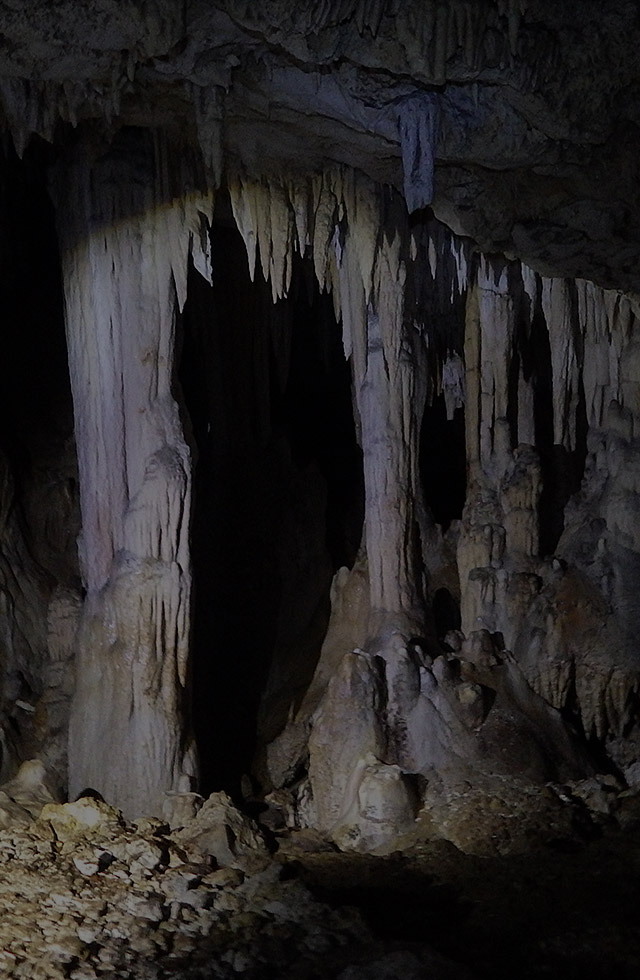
{"points": [[442, 187], [39, 577]]}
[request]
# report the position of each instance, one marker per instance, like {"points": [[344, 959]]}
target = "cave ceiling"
{"points": [[533, 104]]}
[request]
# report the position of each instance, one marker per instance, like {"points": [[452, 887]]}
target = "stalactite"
{"points": [[34, 107], [604, 317], [244, 201], [281, 241], [488, 346], [418, 119], [299, 198], [459, 253], [325, 218], [529, 282], [27, 109], [263, 230], [453, 386]]}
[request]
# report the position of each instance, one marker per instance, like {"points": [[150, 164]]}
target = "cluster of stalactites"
{"points": [[278, 218], [588, 330], [350, 229], [34, 107], [342, 220]]}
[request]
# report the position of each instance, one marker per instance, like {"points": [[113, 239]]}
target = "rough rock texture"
{"points": [[570, 909], [84, 894], [530, 104], [124, 260], [462, 180]]}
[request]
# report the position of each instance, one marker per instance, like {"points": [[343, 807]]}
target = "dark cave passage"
{"points": [[38, 472], [446, 612], [278, 498], [36, 411], [35, 396], [443, 464], [562, 470]]}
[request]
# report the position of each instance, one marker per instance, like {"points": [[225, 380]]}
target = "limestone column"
{"points": [[390, 396], [125, 246]]}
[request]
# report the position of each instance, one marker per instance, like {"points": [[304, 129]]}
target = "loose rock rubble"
{"points": [[85, 895], [201, 894]]}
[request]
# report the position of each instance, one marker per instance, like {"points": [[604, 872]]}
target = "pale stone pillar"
{"points": [[390, 389], [124, 255]]}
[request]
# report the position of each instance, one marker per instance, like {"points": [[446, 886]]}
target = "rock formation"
{"points": [[448, 191], [134, 471], [152, 898]]}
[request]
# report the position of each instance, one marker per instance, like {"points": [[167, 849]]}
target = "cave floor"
{"points": [[143, 902], [570, 909]]}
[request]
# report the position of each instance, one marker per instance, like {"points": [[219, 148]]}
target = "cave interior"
{"points": [[318, 441]]}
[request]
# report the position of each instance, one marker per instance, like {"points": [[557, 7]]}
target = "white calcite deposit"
{"points": [[460, 181]]}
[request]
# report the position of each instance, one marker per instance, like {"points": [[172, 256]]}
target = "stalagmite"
{"points": [[125, 249]]}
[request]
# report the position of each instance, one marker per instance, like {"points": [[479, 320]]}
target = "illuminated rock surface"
{"points": [[84, 894], [319, 421]]}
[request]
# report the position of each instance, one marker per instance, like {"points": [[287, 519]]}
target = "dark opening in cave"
{"points": [[443, 465], [562, 470], [38, 475], [446, 612], [36, 410], [278, 495], [35, 396]]}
